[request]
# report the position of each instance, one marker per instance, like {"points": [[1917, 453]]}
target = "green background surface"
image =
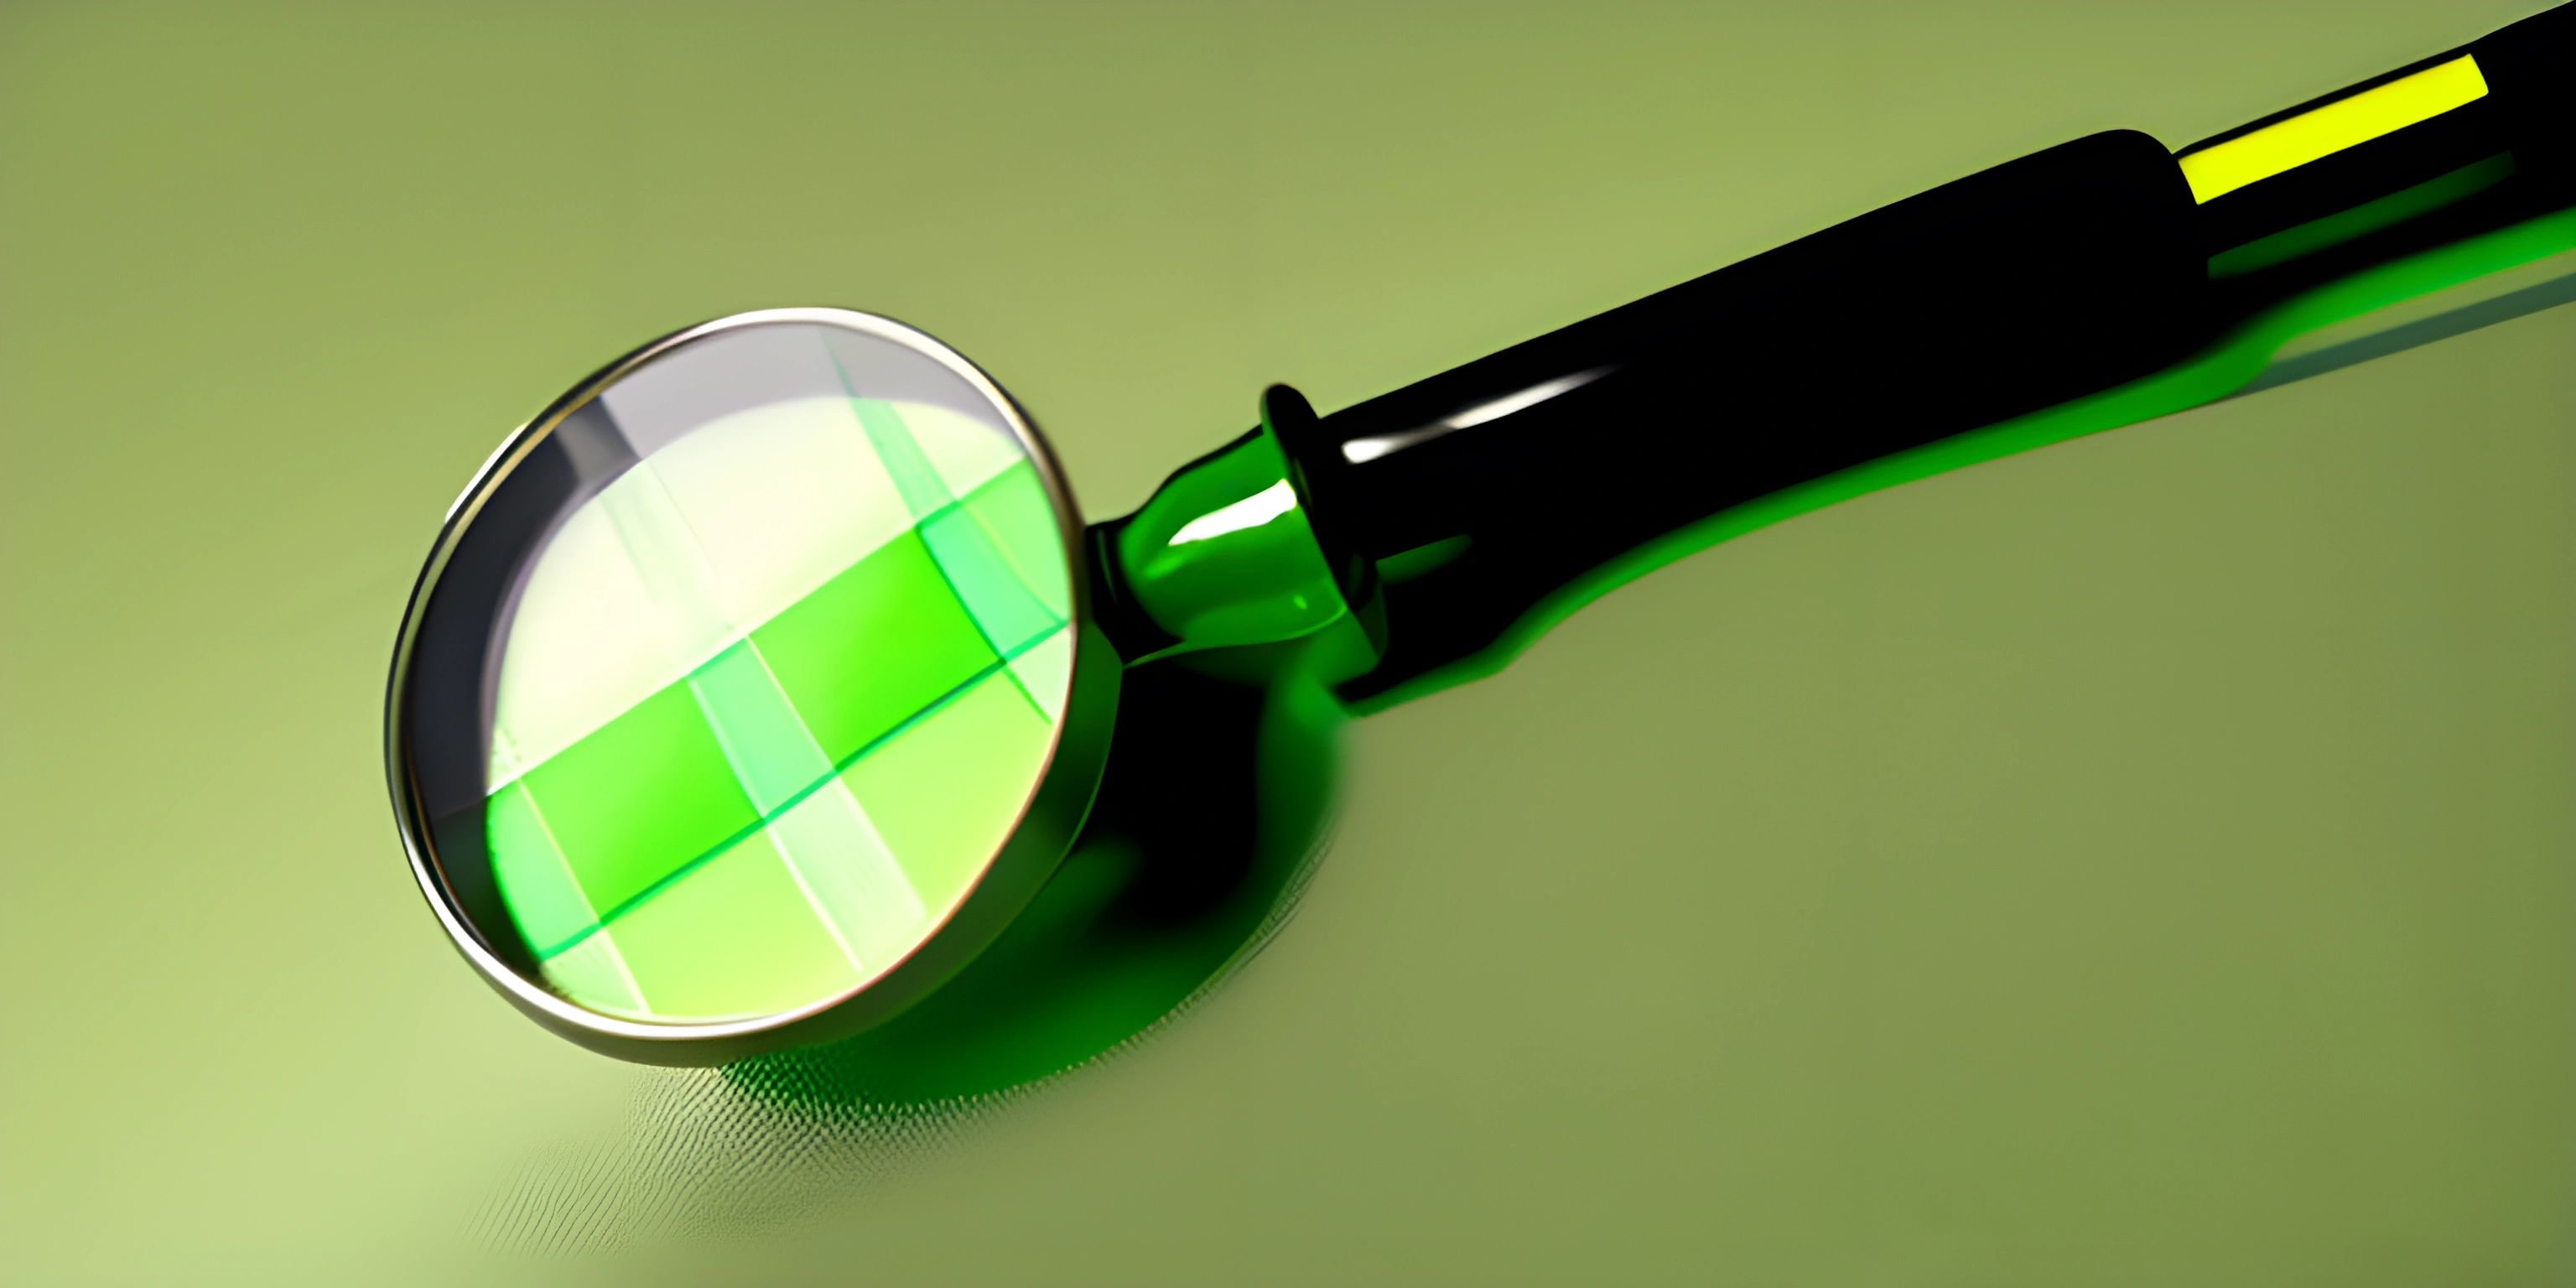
{"points": [[2147, 860]]}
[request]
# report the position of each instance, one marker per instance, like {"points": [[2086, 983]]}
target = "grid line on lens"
{"points": [[925, 494], [667, 553], [622, 894], [520, 770], [572, 886], [864, 895], [839, 767]]}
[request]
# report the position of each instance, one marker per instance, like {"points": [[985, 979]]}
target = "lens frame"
{"points": [[1049, 817]]}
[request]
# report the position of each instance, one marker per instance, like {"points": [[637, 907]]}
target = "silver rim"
{"points": [[1094, 670]]}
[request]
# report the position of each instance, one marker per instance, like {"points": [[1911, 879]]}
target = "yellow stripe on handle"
{"points": [[2223, 168]]}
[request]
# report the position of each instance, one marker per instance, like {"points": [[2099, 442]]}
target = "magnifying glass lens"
{"points": [[769, 639]]}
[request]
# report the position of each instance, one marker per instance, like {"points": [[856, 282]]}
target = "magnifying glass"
{"points": [[752, 687]]}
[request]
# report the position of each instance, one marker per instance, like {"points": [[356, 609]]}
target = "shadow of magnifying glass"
{"points": [[1216, 798], [1212, 813]]}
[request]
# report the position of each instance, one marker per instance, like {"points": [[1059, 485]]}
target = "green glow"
{"points": [[2360, 221], [1421, 561], [1098, 960], [1221, 555], [2222, 369]]}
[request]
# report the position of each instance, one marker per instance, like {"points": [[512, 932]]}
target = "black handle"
{"points": [[2062, 272]]}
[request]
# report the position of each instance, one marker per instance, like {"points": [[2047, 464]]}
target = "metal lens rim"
{"points": [[1036, 843]]}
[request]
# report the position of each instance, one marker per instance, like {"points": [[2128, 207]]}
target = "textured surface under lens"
{"points": [[771, 699]]}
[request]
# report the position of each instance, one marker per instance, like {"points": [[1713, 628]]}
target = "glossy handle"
{"points": [[2063, 272]]}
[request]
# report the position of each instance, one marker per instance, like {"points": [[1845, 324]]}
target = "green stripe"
{"points": [[919, 482], [1001, 663], [925, 494], [989, 485]]}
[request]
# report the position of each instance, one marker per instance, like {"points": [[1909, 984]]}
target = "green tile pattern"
{"points": [[795, 814]]}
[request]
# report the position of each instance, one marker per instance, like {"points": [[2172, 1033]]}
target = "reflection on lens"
{"points": [[737, 681]]}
